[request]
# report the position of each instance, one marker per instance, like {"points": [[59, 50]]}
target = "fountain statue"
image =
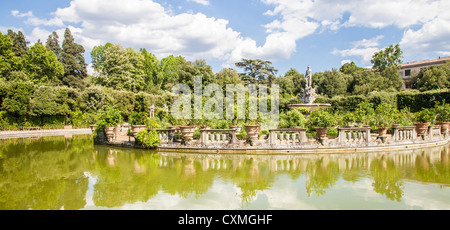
{"points": [[308, 95]]}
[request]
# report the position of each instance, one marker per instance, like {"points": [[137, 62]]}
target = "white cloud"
{"points": [[32, 20], [431, 16], [202, 2], [364, 49], [150, 25]]}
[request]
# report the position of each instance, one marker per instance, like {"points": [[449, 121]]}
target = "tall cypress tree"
{"points": [[75, 71], [19, 43], [52, 44]]}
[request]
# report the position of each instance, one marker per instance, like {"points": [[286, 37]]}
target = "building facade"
{"points": [[408, 70]]}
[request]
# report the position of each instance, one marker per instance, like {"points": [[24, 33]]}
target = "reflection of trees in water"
{"points": [[49, 173], [44, 173], [386, 178], [322, 174]]}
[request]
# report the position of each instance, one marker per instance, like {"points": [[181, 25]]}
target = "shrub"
{"points": [[320, 119], [136, 118], [424, 116], [110, 117], [384, 115], [148, 139], [442, 111]]}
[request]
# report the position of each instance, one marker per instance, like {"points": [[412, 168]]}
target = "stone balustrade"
{"points": [[166, 135], [434, 132], [293, 136], [404, 134], [218, 137], [357, 136]]}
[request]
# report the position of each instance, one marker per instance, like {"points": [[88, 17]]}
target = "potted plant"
{"points": [[187, 129], [321, 120], [442, 112], [109, 121], [252, 129], [364, 113], [137, 122], [296, 119], [383, 118], [404, 117], [423, 120]]}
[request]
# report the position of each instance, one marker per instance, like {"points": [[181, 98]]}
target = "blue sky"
{"points": [[291, 33]]}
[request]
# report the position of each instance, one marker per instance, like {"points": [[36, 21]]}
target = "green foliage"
{"points": [[93, 99], [292, 118], [110, 117], [404, 117], [148, 139], [384, 115], [433, 77], [417, 100], [82, 120], [364, 112], [258, 69], [424, 116], [442, 111], [334, 83], [138, 118], [389, 57], [19, 43], [42, 66], [17, 98], [45, 101], [72, 57], [350, 68], [321, 118]]}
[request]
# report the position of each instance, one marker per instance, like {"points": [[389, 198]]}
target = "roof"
{"points": [[437, 61]]}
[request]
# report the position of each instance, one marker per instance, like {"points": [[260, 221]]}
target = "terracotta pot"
{"points": [[137, 128], [444, 126], [188, 133], [422, 128], [382, 131], [109, 132], [252, 133], [321, 132]]}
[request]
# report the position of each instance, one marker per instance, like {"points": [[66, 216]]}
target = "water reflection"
{"points": [[55, 173]]}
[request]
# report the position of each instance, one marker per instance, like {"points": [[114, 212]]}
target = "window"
{"points": [[408, 72]]}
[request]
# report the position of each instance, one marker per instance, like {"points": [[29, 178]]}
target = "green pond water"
{"points": [[53, 173]]}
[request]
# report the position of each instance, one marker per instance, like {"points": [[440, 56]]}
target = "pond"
{"points": [[71, 173]]}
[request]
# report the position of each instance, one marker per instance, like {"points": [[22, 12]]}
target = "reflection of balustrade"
{"points": [[218, 136], [166, 135], [354, 135], [292, 136], [404, 134], [434, 132]]}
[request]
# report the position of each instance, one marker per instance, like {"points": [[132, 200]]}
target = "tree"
{"points": [[52, 44], [433, 77], [350, 68], [297, 79], [17, 98], [389, 57], [8, 59], [42, 66], [168, 74], [119, 68], [151, 67], [258, 69], [19, 43], [228, 76], [73, 60], [333, 83]]}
